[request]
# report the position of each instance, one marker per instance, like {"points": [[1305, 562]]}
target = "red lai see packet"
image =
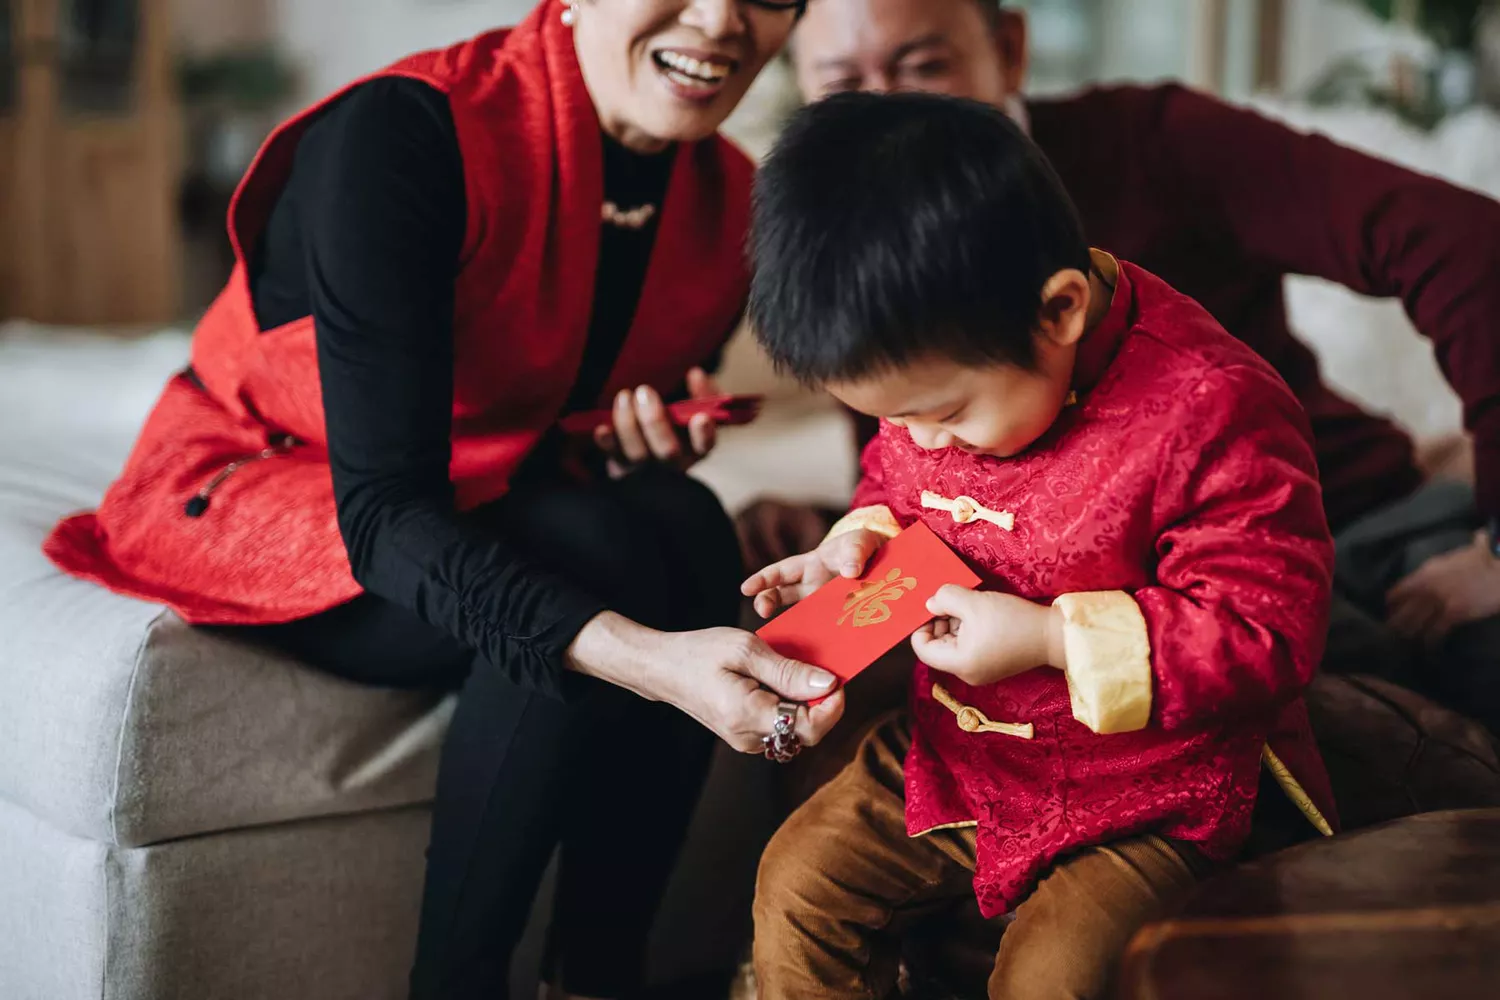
{"points": [[849, 624], [727, 411]]}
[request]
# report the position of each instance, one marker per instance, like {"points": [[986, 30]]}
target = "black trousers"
{"points": [[606, 776]]}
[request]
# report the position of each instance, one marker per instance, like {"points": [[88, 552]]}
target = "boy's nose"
{"points": [[930, 439]]}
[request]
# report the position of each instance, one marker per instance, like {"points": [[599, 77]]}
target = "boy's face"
{"points": [[997, 410]]}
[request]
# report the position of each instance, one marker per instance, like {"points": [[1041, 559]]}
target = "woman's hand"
{"points": [[785, 583], [643, 431], [729, 680], [982, 637]]}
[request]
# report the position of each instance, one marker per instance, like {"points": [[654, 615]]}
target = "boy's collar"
{"points": [[1100, 345]]}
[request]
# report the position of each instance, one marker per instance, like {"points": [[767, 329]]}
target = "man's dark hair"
{"points": [[891, 227]]}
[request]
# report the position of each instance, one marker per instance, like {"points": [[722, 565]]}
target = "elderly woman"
{"points": [[363, 466]]}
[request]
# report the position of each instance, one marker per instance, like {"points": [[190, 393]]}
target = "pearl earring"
{"points": [[570, 14]]}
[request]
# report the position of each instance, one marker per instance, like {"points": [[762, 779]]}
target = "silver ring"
{"points": [[782, 744]]}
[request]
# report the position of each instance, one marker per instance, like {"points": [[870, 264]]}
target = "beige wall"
{"points": [[335, 41], [212, 25]]}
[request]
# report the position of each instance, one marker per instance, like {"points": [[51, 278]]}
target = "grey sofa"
{"points": [[180, 815], [184, 817]]}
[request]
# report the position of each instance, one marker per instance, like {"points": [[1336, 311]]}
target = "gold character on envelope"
{"points": [[870, 604]]}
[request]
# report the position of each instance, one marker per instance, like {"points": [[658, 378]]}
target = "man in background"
{"points": [[1224, 204]]}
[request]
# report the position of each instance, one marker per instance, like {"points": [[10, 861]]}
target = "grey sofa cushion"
{"points": [[320, 910], [118, 722]]}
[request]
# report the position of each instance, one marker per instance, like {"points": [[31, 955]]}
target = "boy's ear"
{"points": [[1065, 308]]}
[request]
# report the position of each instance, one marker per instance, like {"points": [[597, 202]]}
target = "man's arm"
{"points": [[1306, 205]]}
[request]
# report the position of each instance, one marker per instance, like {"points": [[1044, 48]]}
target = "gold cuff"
{"points": [[1109, 660], [878, 519]]}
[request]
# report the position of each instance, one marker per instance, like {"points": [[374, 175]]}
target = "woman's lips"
{"points": [[694, 76]]}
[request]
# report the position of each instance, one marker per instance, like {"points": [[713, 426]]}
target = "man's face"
{"points": [[940, 46]]}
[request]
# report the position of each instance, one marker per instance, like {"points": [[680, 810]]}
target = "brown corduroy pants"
{"points": [[841, 881]]}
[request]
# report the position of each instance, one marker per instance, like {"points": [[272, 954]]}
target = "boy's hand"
{"points": [[783, 584], [982, 637]]}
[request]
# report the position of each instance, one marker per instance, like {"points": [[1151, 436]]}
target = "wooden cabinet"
{"points": [[90, 143]]}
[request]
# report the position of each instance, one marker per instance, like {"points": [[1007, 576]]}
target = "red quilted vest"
{"points": [[268, 548]]}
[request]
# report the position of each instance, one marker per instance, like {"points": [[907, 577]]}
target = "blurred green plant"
{"points": [[1449, 23], [1422, 92], [247, 80]]}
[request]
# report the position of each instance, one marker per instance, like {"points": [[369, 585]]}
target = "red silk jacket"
{"points": [[268, 549], [1174, 516]]}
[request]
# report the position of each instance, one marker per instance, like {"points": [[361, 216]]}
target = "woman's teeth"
{"points": [[692, 72]]}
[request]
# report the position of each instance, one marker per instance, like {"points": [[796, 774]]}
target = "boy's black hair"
{"points": [[888, 227]]}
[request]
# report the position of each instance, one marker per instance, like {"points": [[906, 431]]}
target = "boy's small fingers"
{"points": [[941, 654], [848, 554], [779, 574], [950, 601]]}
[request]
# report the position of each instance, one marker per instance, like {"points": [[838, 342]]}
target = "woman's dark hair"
{"points": [[891, 227]]}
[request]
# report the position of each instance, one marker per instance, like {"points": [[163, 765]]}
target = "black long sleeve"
{"points": [[366, 238]]}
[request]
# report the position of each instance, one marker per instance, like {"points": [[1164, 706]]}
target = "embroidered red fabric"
{"points": [[1185, 477]]}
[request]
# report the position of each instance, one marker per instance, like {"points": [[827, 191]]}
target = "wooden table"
{"points": [[1406, 909]]}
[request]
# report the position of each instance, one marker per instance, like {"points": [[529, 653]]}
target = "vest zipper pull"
{"points": [[197, 506]]}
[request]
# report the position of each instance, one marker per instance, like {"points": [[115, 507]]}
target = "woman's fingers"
{"points": [[656, 425], [701, 385], [643, 430], [628, 433], [703, 434], [605, 440], [740, 693], [814, 721], [787, 678]]}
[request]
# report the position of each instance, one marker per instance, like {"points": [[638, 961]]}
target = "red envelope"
{"points": [[849, 624], [727, 411]]}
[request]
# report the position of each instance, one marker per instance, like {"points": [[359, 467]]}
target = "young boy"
{"points": [[1136, 489]]}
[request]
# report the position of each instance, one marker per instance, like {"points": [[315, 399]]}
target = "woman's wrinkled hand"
{"points": [[643, 430], [727, 679]]}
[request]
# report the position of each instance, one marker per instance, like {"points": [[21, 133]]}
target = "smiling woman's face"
{"points": [[662, 71]]}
